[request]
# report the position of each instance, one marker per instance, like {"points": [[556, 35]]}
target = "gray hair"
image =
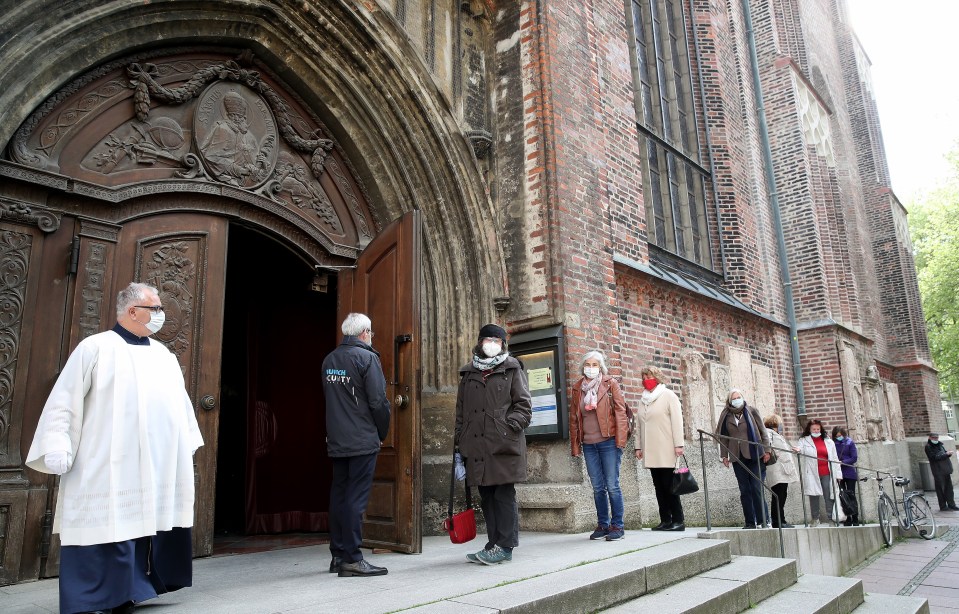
{"points": [[134, 293], [355, 324], [595, 355]]}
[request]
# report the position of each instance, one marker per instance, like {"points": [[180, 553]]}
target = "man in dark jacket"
{"points": [[357, 421], [493, 407], [941, 465]]}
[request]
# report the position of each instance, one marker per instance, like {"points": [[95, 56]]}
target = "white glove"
{"points": [[58, 462], [460, 469]]}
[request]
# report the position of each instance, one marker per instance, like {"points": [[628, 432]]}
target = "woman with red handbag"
{"points": [[597, 430], [493, 406]]}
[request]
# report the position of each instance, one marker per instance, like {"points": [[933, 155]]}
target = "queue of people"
{"points": [[121, 386]]}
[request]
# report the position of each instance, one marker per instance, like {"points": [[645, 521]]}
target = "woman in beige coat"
{"points": [[659, 442]]}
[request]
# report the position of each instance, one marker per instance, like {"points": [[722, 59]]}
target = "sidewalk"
{"points": [[297, 580], [918, 568]]}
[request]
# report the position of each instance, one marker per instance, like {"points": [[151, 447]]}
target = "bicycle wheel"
{"points": [[884, 508], [920, 513]]}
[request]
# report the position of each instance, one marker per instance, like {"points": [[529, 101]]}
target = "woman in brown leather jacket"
{"points": [[597, 429]]}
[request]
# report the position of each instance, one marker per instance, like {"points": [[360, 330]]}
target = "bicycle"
{"points": [[916, 511]]}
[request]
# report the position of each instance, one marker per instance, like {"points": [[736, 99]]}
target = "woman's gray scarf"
{"points": [[485, 364]]}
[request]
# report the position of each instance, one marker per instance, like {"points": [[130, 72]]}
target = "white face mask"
{"points": [[591, 372], [156, 322], [737, 403], [491, 348], [816, 434]]}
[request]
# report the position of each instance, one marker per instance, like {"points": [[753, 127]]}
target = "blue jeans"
{"points": [[751, 491], [602, 465]]}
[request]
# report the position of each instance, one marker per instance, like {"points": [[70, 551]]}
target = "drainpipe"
{"points": [[777, 218]]}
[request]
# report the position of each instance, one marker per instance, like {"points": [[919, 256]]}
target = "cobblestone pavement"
{"points": [[919, 568]]}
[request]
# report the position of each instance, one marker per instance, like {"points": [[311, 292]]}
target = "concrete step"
{"points": [[732, 588], [893, 604], [593, 586], [814, 594]]}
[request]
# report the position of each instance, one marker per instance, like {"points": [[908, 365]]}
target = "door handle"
{"points": [[400, 400]]}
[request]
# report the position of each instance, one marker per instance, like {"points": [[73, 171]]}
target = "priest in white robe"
{"points": [[120, 429]]}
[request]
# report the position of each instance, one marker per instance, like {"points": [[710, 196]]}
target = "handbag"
{"points": [[683, 481], [773, 459], [461, 526]]}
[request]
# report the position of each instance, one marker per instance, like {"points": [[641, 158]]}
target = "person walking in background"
{"points": [[597, 430], [659, 442], [120, 430], [357, 421], [743, 441], [820, 469], [940, 462], [493, 406], [780, 474], [848, 455]]}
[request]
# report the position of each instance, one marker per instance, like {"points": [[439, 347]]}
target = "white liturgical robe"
{"points": [[123, 413]]}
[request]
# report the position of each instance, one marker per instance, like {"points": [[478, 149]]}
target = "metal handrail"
{"points": [[702, 454], [799, 456]]}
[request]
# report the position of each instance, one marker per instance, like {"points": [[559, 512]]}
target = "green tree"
{"points": [[934, 226]]}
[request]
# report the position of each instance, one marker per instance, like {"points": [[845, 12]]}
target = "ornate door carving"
{"points": [[386, 286], [184, 256]]}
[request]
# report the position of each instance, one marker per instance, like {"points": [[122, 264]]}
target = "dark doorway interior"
{"points": [[273, 475]]}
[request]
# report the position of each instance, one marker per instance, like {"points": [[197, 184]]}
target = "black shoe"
{"points": [[663, 526], [954, 508], [126, 608], [750, 526], [335, 564], [676, 526], [361, 568], [786, 525]]}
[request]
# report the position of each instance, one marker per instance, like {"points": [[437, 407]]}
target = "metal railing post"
{"points": [[702, 457], [802, 490]]}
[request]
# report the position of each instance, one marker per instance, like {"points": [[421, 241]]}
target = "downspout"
{"points": [[777, 218]]}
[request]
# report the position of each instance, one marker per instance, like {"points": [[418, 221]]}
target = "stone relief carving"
{"points": [[235, 135], [719, 380], [170, 269], [897, 431], [852, 392], [740, 374], [143, 80], [15, 255], [161, 139], [764, 391], [293, 184], [697, 408]]}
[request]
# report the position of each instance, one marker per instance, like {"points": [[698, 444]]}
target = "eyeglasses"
{"points": [[153, 308], [370, 332]]}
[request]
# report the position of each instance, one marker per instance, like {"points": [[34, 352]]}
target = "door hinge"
{"points": [[75, 256]]}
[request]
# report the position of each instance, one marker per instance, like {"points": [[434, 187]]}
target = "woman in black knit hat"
{"points": [[493, 406]]}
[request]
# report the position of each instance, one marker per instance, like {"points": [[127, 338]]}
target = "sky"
{"points": [[911, 46]]}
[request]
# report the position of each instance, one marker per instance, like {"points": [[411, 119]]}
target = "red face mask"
{"points": [[650, 384]]}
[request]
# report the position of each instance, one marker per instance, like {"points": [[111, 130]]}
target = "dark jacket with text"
{"points": [[357, 411]]}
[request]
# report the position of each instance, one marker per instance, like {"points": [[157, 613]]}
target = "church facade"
{"points": [[594, 170]]}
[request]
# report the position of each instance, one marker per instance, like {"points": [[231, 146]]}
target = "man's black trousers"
{"points": [[944, 490], [349, 494]]}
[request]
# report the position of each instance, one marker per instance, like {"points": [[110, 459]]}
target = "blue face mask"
{"points": [[839, 437]]}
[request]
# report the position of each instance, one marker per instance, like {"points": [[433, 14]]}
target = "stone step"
{"points": [[813, 594], [593, 586], [732, 588], [893, 604]]}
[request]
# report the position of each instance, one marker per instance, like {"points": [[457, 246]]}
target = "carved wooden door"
{"points": [[184, 256], [386, 286]]}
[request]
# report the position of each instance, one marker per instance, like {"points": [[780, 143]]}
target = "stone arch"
{"points": [[350, 64]]}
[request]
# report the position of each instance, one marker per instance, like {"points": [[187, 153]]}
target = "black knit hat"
{"points": [[492, 330]]}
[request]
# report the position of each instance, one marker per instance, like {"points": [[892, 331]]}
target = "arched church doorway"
{"points": [[273, 475]]}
